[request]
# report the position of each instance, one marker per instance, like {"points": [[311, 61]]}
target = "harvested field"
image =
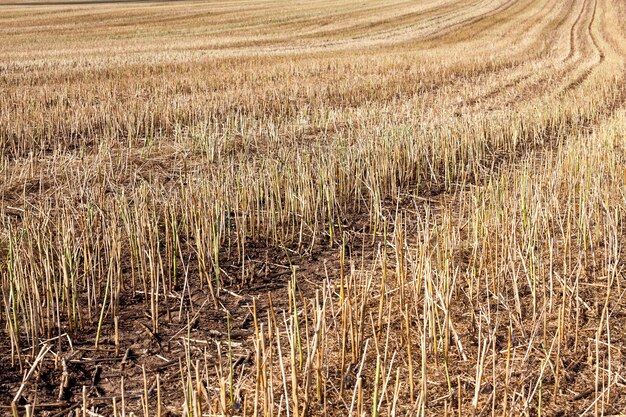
{"points": [[340, 208]]}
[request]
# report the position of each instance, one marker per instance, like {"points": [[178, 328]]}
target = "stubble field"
{"points": [[313, 208]]}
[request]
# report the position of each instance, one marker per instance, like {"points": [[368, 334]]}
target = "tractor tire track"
{"points": [[541, 81], [520, 79], [544, 79], [572, 33], [601, 56]]}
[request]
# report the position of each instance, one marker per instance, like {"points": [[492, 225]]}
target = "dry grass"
{"points": [[311, 208]]}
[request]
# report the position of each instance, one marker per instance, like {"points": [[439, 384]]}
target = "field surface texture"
{"points": [[309, 208]]}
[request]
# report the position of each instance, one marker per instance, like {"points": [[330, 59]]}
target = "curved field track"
{"points": [[313, 208]]}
